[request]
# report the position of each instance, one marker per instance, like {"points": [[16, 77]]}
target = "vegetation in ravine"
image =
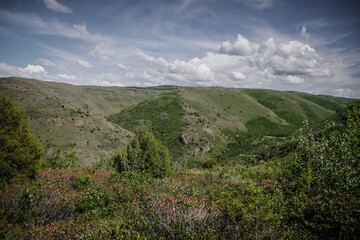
{"points": [[163, 115]]}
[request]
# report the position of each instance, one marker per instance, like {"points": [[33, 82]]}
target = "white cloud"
{"points": [[33, 71], [7, 70], [159, 63], [241, 47], [293, 80], [66, 77], [54, 27], [304, 33], [30, 71], [346, 92], [100, 52], [184, 5], [259, 4], [236, 76], [45, 62], [247, 64], [123, 67], [108, 79], [293, 58], [84, 63], [176, 72], [56, 6]]}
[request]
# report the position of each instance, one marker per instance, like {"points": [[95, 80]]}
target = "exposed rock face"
{"points": [[182, 139], [205, 149]]}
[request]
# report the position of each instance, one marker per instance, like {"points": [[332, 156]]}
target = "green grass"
{"points": [[327, 102], [164, 114]]}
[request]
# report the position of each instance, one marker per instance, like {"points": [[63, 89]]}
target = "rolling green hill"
{"points": [[193, 122]]}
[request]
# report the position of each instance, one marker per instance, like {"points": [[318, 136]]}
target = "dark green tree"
{"points": [[20, 151], [143, 153]]}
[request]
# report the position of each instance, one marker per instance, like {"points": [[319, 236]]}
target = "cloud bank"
{"points": [[242, 64]]}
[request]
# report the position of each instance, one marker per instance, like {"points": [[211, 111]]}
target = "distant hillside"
{"points": [[193, 122], [209, 119], [73, 117]]}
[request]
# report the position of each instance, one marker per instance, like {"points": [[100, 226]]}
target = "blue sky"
{"points": [[311, 46]]}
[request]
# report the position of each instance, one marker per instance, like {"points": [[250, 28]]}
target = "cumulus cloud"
{"points": [[293, 58], [33, 71], [241, 47], [100, 52], [242, 64], [84, 63], [45, 62], [178, 71], [56, 6]]}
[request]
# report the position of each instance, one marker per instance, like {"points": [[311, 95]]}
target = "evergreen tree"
{"points": [[143, 153], [20, 151]]}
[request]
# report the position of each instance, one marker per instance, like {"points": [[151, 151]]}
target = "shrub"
{"points": [[143, 153], [20, 151], [210, 163], [63, 160]]}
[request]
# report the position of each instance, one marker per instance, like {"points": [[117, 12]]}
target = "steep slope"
{"points": [[73, 117]]}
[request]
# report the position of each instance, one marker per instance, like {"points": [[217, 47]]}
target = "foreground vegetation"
{"points": [[305, 187]]}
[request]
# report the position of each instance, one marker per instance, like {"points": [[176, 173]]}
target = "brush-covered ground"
{"points": [[245, 165]]}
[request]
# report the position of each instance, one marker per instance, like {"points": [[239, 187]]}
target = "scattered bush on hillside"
{"points": [[143, 153], [63, 160], [20, 151]]}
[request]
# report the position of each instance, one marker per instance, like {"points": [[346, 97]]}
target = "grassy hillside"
{"points": [[73, 117], [211, 120]]}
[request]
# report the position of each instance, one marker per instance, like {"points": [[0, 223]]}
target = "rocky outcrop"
{"points": [[182, 139]]}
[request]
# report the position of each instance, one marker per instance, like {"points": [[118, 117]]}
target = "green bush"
{"points": [[210, 163], [20, 151], [143, 153], [63, 160]]}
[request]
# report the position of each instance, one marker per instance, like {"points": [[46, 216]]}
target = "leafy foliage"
{"points": [[64, 160], [20, 151], [144, 153], [325, 172]]}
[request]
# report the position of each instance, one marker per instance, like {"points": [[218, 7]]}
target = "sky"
{"points": [[294, 45]]}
